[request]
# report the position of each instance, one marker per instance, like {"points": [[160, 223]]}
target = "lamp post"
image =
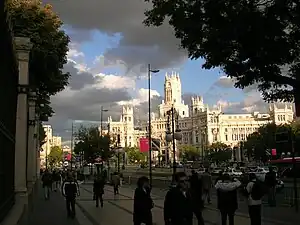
{"points": [[149, 112], [173, 134]]}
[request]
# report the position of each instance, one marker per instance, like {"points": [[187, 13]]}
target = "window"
{"points": [[226, 137], [226, 130], [183, 113], [197, 139], [129, 118]]}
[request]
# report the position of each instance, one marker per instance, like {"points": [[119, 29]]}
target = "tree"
{"points": [[260, 143], [134, 155], [50, 46], [55, 156], [189, 153], [263, 50], [92, 144], [219, 152]]}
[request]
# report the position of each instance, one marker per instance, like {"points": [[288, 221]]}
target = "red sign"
{"points": [[68, 157], [274, 152], [144, 144]]}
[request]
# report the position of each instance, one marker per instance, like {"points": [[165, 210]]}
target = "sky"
{"points": [[109, 52]]}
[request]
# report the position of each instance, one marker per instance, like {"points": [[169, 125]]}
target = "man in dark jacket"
{"points": [[178, 205], [143, 203], [227, 198], [47, 183], [271, 181], [196, 194], [98, 189], [70, 190]]}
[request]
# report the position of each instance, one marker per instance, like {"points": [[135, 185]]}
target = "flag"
{"points": [[144, 144]]}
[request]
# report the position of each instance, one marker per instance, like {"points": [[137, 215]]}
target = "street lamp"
{"points": [[149, 112], [173, 134]]}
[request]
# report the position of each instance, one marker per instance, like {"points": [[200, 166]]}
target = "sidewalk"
{"points": [[53, 211]]}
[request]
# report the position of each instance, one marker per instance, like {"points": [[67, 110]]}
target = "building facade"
{"points": [[200, 124], [49, 142]]}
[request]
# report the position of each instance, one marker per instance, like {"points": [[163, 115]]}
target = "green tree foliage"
{"points": [[189, 153], [219, 152], [89, 141], [134, 155], [55, 156], [50, 46], [260, 143], [254, 42]]}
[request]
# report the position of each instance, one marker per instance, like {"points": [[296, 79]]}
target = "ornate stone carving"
{"points": [[23, 44]]}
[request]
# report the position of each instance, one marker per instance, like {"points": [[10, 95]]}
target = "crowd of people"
{"points": [[186, 198], [189, 195]]}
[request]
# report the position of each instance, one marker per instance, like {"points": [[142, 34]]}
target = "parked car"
{"points": [[234, 172]]}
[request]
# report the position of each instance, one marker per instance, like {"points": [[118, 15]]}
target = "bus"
{"points": [[285, 166]]}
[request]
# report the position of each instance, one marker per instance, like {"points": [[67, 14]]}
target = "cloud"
{"points": [[88, 90], [138, 45]]}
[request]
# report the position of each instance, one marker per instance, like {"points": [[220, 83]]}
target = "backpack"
{"points": [[258, 191]]}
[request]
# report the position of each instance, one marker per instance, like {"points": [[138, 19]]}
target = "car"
{"points": [[233, 172]]}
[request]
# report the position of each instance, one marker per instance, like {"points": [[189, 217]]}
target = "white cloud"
{"points": [[111, 81], [142, 97]]}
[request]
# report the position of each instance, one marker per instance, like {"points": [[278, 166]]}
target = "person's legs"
{"points": [[224, 217], [73, 207], [231, 218], [101, 200], [257, 214], [97, 200], [68, 206], [198, 214], [208, 196]]}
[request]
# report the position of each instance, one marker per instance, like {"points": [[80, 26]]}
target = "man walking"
{"points": [[70, 190], [196, 196], [98, 189], [270, 181], [47, 183], [116, 182], [178, 206], [207, 185]]}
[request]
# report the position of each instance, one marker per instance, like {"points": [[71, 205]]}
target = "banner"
{"points": [[144, 144]]}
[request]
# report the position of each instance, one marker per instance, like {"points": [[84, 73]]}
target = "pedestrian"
{"points": [[98, 189], [116, 182], [255, 192], [227, 198], [47, 183], [70, 190], [207, 184], [178, 206], [196, 195], [56, 180], [143, 203], [270, 182]]}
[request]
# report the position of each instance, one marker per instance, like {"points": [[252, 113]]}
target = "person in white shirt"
{"points": [[254, 203]]}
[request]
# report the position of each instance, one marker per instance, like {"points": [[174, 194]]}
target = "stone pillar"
{"points": [[31, 148], [37, 146], [23, 47]]}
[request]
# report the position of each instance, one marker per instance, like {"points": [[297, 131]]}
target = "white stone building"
{"points": [[50, 141], [200, 124]]}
